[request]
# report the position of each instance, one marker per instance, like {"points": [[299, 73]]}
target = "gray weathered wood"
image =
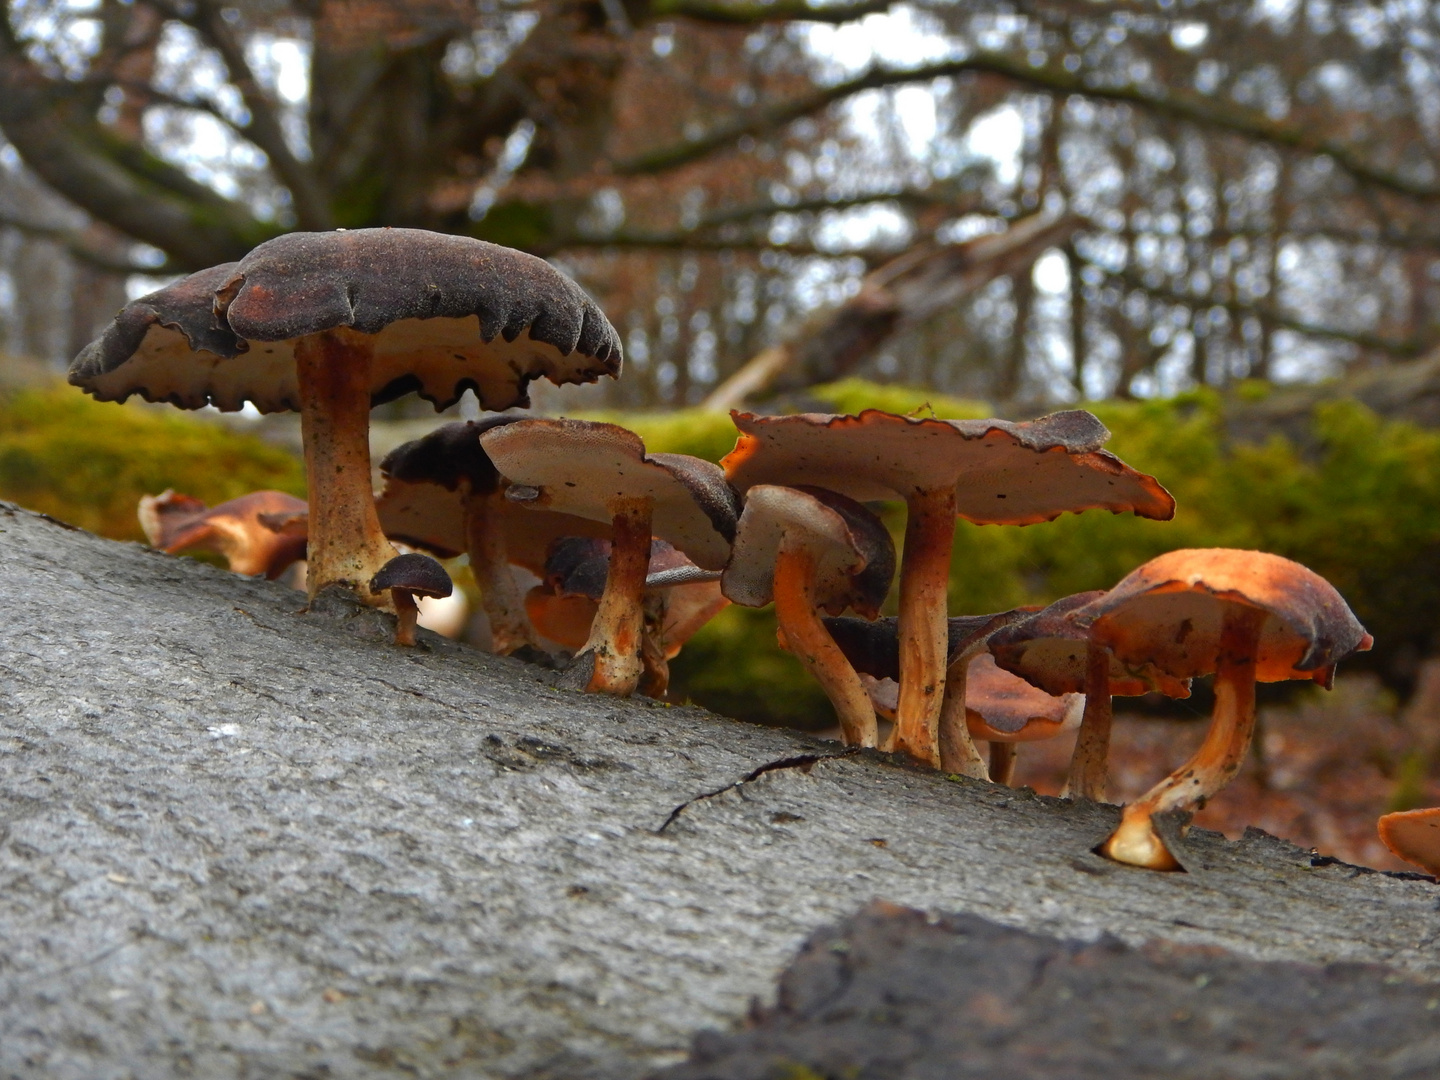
{"points": [[239, 840]]}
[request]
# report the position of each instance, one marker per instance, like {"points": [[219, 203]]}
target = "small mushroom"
{"points": [[443, 494], [1414, 835], [602, 472], [809, 549], [874, 650], [329, 324], [1059, 656], [679, 599], [263, 532], [1003, 710], [986, 471], [1246, 616], [407, 577]]}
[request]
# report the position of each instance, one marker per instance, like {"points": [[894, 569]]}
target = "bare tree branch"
{"points": [[746, 14], [1205, 112], [312, 208], [77, 244]]}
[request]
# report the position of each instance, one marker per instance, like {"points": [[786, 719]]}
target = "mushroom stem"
{"points": [[346, 544], [1002, 762], [490, 564], [1219, 757], [958, 753], [655, 668], [619, 621], [924, 638], [807, 638], [1088, 765], [406, 612]]}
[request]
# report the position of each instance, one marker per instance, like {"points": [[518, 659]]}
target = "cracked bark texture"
{"points": [[239, 840]]}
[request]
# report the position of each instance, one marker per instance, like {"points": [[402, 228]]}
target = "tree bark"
{"points": [[237, 838]]}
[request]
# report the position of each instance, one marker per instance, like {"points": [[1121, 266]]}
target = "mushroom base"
{"points": [[407, 613], [1219, 758], [958, 752], [1002, 763], [500, 598], [620, 621], [806, 637], [346, 544]]}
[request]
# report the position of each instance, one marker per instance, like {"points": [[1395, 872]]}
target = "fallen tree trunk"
{"points": [[240, 839]]}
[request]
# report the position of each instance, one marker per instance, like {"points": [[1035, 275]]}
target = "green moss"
{"points": [[88, 463], [523, 225]]}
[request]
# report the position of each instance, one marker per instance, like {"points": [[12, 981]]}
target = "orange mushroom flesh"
{"points": [[1004, 710], [1057, 655], [263, 532], [445, 485], [1414, 835], [1246, 616], [331, 323], [809, 550], [602, 472], [679, 599], [873, 648], [986, 471], [406, 577]]}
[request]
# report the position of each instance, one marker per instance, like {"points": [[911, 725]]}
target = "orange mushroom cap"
{"points": [[1414, 835], [1001, 707], [1049, 649], [259, 533], [1168, 613], [1003, 473]]}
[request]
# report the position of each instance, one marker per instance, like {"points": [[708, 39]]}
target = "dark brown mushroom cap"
{"points": [[854, 554], [584, 467], [261, 532], [172, 327], [1001, 707], [413, 573], [1003, 473], [446, 314], [448, 455], [579, 565], [873, 648], [1168, 613], [426, 506], [1050, 650]]}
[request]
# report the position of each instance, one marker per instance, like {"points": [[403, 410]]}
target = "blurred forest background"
{"points": [[1218, 219]]}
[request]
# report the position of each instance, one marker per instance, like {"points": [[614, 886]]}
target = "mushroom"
{"points": [[442, 493], [1003, 710], [260, 533], [874, 651], [1057, 655], [601, 472], [679, 599], [808, 549], [407, 577], [986, 471], [1247, 616], [1414, 835], [330, 324]]}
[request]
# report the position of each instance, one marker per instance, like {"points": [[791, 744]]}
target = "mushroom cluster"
{"points": [[628, 553]]}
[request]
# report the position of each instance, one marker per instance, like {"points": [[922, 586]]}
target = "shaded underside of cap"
{"points": [[1051, 651], [585, 468], [843, 537], [873, 648], [1003, 473], [432, 517], [446, 456], [1169, 612], [446, 314], [1002, 707]]}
